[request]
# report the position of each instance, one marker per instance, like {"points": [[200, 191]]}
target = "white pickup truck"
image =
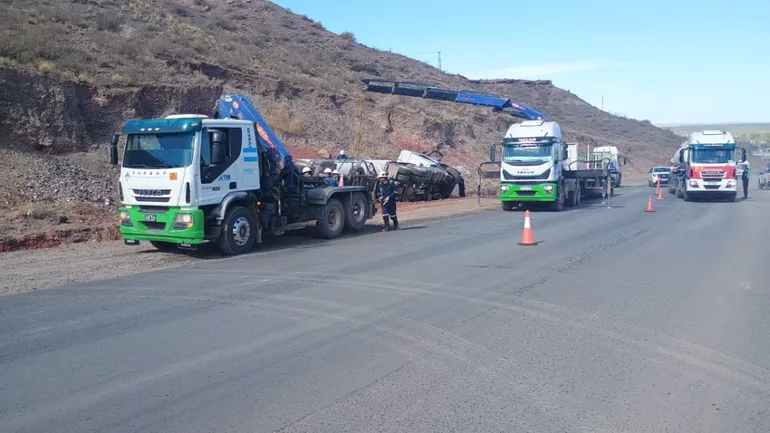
{"points": [[763, 180]]}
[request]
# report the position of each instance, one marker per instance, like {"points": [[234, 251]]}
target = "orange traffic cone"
{"points": [[660, 193], [658, 190], [649, 205], [342, 180], [526, 235]]}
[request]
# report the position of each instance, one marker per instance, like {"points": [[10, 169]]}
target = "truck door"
{"points": [[219, 178]]}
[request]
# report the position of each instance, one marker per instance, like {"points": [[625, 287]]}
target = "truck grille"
{"points": [[155, 226], [712, 175]]}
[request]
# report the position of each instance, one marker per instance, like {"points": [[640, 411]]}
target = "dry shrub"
{"points": [[286, 124]]}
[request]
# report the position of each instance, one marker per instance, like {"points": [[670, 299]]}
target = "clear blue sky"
{"points": [[675, 61]]}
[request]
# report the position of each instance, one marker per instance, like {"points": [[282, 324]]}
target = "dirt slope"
{"points": [[72, 71]]}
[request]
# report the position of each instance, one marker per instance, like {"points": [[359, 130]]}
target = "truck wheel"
{"points": [[558, 205], [572, 198], [238, 231], [163, 246], [355, 212], [731, 197], [330, 219]]}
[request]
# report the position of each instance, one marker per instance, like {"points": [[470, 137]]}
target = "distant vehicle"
{"points": [[707, 166], [610, 153], [655, 173], [762, 180]]}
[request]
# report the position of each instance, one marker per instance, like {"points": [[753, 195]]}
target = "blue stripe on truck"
{"points": [[249, 150], [250, 159]]}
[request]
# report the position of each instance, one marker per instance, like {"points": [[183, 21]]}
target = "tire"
{"points": [[558, 205], [572, 199], [239, 231], [330, 219], [508, 206], [355, 212], [454, 173], [679, 190], [163, 246]]}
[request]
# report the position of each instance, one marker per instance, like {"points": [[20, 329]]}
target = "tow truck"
{"points": [[706, 166], [189, 179], [536, 166]]}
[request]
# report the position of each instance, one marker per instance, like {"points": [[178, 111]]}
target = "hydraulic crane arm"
{"points": [[236, 106], [429, 91]]}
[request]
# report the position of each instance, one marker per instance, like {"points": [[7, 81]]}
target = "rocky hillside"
{"points": [[72, 70]]}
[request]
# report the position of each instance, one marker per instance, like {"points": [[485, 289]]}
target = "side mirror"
{"points": [[114, 149], [218, 153], [564, 154], [625, 160], [681, 157], [492, 153]]}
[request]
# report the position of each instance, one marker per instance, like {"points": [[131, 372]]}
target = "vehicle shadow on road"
{"points": [[299, 239]]}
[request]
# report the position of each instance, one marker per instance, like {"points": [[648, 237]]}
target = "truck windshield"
{"points": [[712, 156], [159, 150], [527, 153]]}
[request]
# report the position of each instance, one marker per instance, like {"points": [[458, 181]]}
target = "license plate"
{"points": [[150, 218], [525, 188]]}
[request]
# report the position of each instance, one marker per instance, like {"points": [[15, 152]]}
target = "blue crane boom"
{"points": [[236, 106], [429, 91]]}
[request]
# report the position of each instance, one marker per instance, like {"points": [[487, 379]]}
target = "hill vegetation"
{"points": [[72, 70]]}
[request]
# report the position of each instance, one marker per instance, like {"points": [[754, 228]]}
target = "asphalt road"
{"points": [[617, 321]]}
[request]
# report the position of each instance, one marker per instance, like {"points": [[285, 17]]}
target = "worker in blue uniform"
{"points": [[328, 179], [386, 193]]}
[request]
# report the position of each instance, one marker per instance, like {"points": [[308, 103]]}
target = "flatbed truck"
{"points": [[189, 179]]}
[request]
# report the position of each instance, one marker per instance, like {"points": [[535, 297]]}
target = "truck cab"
{"points": [[707, 166], [611, 154], [531, 162]]}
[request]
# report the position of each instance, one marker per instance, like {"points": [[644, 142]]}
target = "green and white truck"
{"points": [[538, 167], [186, 180]]}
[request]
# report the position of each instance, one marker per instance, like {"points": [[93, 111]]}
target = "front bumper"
{"points": [[160, 226], [543, 192], [699, 186]]}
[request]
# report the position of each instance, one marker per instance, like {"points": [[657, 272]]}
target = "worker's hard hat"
{"points": [[383, 174], [342, 152], [328, 170], [336, 172], [307, 170]]}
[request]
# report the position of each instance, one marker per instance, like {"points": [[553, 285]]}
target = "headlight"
{"points": [[183, 221], [505, 188], [125, 218], [548, 189], [730, 183], [694, 183]]}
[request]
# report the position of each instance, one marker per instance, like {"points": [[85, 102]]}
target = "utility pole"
{"points": [[602, 102], [439, 61]]}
